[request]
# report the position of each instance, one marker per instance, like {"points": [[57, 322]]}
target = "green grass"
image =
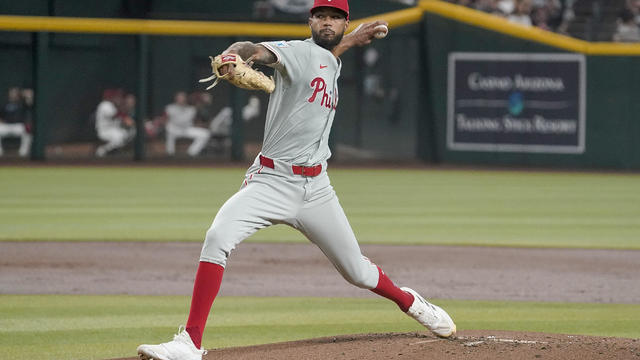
{"points": [[99, 327], [493, 208]]}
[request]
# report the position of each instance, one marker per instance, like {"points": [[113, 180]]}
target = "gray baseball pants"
{"points": [[308, 204]]}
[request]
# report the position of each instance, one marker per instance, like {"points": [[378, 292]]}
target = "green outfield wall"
{"points": [[448, 85], [611, 113]]}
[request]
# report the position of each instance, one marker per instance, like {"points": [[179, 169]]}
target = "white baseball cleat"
{"points": [[180, 348], [431, 316]]}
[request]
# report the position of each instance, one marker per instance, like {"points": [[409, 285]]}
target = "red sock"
{"points": [[388, 289], [205, 289]]}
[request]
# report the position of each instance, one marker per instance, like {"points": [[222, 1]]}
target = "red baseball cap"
{"points": [[342, 5]]}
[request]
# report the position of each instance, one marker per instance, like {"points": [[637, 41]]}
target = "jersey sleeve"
{"points": [[291, 57]]}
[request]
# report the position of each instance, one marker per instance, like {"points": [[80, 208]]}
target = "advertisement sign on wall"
{"points": [[514, 102]]}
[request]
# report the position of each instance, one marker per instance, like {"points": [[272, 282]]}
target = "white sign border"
{"points": [[557, 57]]}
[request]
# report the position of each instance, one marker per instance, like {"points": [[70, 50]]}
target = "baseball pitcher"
{"points": [[288, 181]]}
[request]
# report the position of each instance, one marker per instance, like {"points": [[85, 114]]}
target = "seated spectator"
{"points": [[203, 101], [112, 124], [628, 30], [220, 125], [540, 18], [14, 119], [506, 6], [563, 16], [521, 13], [546, 14], [251, 109], [180, 124]]}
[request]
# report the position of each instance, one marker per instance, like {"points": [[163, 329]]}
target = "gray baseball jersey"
{"points": [[302, 106], [299, 119]]}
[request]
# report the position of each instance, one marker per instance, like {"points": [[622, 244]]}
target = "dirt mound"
{"points": [[471, 344]]}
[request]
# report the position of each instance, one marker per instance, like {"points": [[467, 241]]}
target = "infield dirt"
{"points": [[499, 345], [255, 269], [469, 345], [573, 275]]}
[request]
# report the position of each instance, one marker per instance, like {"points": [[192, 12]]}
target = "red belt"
{"points": [[298, 170]]}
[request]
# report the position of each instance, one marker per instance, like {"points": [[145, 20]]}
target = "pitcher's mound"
{"points": [[470, 344]]}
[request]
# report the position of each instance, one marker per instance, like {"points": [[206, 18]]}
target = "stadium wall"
{"points": [[411, 123], [611, 108]]}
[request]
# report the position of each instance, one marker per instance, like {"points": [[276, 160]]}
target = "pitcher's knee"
{"points": [[216, 248], [363, 276]]}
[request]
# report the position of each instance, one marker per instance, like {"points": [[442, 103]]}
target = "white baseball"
{"points": [[381, 31]]}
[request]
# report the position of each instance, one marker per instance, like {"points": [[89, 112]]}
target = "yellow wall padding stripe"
{"points": [[501, 25], [179, 27], [152, 27]]}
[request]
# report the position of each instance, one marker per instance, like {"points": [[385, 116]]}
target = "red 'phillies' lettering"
{"points": [[319, 85]]}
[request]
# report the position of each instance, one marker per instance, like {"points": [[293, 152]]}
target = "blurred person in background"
{"points": [[180, 124], [154, 127], [203, 101], [634, 7], [547, 14], [15, 119], [252, 109], [565, 17], [220, 127], [220, 124], [292, 6], [488, 6], [551, 15], [540, 18], [555, 12], [506, 6], [628, 30], [521, 13], [113, 124]]}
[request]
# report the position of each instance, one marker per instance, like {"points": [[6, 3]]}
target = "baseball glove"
{"points": [[242, 76]]}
